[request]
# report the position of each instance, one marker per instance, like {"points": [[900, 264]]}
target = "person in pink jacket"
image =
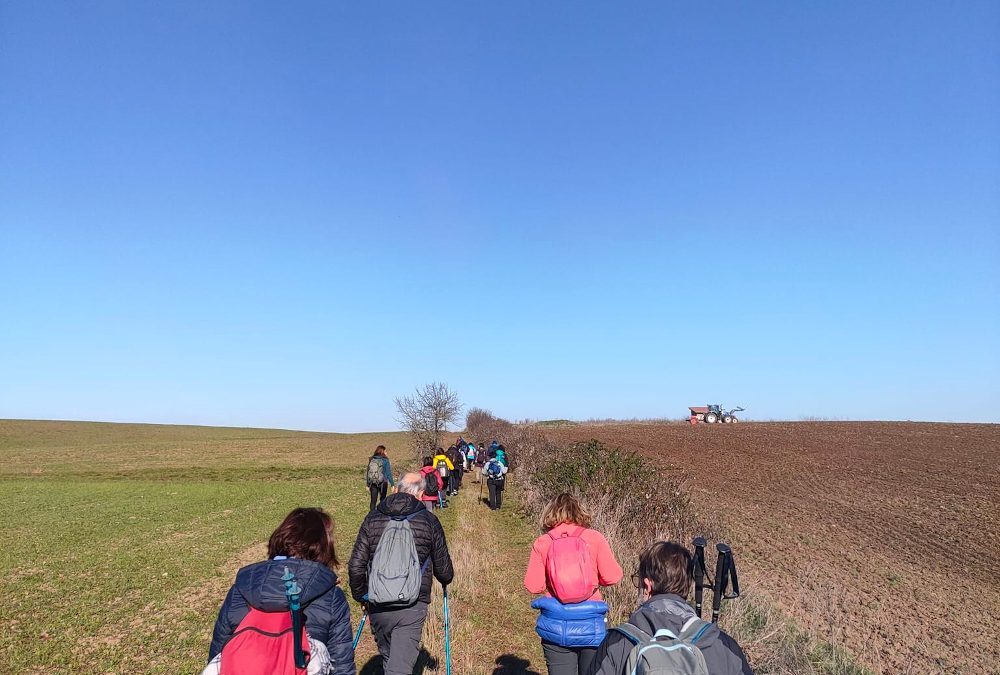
{"points": [[570, 632]]}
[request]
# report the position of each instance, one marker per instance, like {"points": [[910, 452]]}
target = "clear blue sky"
{"points": [[240, 213]]}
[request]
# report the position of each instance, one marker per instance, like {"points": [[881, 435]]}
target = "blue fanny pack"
{"points": [[578, 625]]}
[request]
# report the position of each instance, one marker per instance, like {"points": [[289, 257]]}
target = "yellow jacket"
{"points": [[447, 462]]}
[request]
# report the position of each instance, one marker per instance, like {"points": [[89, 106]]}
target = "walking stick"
{"points": [[447, 635], [481, 481], [699, 572], [725, 571], [361, 627], [293, 590]]}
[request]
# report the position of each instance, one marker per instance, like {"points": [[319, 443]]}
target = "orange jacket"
{"points": [[606, 570]]}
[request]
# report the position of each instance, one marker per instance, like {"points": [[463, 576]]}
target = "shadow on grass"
{"points": [[424, 663], [508, 664]]}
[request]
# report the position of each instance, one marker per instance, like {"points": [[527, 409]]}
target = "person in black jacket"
{"points": [[304, 544], [664, 583], [397, 630]]}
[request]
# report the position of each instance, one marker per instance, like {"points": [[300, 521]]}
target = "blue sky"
{"points": [[235, 213]]}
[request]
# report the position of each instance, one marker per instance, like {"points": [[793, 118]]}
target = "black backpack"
{"points": [[431, 484]]}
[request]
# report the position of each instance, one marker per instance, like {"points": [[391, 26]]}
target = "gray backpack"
{"points": [[375, 474], [664, 653], [395, 573]]}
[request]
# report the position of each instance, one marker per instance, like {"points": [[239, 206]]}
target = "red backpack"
{"points": [[569, 569], [263, 645]]}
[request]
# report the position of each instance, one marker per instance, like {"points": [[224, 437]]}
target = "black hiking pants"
{"points": [[567, 660], [378, 494], [496, 493]]}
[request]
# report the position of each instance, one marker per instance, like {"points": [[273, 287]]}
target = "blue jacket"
{"points": [[578, 625], [328, 618]]}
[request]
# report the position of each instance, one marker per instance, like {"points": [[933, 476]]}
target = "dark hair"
{"points": [[305, 533], [380, 451], [428, 461], [668, 566]]}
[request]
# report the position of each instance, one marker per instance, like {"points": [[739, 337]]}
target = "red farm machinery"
{"points": [[712, 413]]}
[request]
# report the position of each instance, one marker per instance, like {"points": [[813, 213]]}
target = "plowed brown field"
{"points": [[882, 538]]}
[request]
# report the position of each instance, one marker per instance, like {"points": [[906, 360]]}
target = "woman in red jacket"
{"points": [[573, 607]]}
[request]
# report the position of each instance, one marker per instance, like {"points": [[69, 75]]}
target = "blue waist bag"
{"points": [[578, 625]]}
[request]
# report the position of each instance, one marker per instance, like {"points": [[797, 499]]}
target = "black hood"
{"points": [[669, 611], [263, 588], [400, 504]]}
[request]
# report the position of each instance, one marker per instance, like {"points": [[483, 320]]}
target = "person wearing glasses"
{"points": [[663, 582]]}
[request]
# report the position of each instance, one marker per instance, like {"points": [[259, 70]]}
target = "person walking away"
{"points": [[302, 545], [458, 460], [444, 465], [480, 461], [664, 582], [569, 563], [400, 550], [433, 485], [378, 476], [470, 456], [496, 478]]}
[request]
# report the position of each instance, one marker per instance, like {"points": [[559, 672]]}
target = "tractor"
{"points": [[712, 413]]}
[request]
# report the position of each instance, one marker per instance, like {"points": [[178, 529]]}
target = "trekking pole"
{"points": [[293, 590], [699, 572], [481, 481], [722, 574], [447, 635], [361, 626]]}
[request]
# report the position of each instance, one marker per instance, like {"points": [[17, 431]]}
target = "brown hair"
{"points": [[305, 533], [564, 509], [668, 566], [380, 451]]}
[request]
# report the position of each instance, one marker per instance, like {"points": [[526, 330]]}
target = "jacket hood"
{"points": [[670, 611], [263, 588], [400, 504]]}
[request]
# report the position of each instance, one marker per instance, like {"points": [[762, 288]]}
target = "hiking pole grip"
{"points": [[699, 572]]}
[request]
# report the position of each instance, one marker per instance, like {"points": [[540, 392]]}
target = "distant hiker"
{"points": [[480, 460], [252, 633], [470, 456], [458, 460], [502, 455], [433, 486], [496, 477], [569, 563], [400, 549], [378, 476], [664, 583], [444, 466]]}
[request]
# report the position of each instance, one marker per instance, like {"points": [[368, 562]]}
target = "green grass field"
{"points": [[121, 540]]}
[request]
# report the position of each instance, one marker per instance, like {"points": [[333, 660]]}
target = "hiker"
{"points": [[399, 551], [480, 461], [457, 458], [444, 466], [378, 477], [433, 486], [304, 546], [470, 456], [664, 581], [501, 455], [569, 563], [496, 478]]}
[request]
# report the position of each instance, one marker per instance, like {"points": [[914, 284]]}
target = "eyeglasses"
{"points": [[636, 580]]}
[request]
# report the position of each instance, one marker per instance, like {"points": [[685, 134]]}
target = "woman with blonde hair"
{"points": [[569, 563]]}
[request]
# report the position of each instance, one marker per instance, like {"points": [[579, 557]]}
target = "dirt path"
{"points": [[492, 625]]}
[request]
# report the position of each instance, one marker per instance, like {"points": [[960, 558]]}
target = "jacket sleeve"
{"points": [[609, 572], [740, 665], [443, 570], [387, 471], [340, 641], [357, 566], [534, 576], [224, 627], [611, 655], [447, 461]]}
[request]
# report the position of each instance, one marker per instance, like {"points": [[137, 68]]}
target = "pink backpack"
{"points": [[262, 644], [569, 569]]}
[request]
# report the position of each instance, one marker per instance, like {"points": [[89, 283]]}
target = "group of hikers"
{"points": [[287, 614]]}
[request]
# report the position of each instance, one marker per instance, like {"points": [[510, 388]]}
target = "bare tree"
{"points": [[427, 414]]}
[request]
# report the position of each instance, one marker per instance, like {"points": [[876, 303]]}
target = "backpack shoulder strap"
{"points": [[634, 634], [694, 629]]}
